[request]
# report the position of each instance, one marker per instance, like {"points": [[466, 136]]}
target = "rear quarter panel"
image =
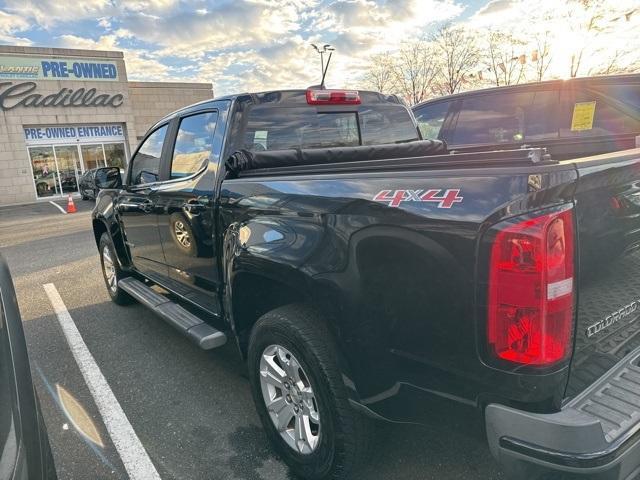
{"points": [[397, 283]]}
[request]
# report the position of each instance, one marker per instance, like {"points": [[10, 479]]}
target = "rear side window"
{"points": [[501, 118], [430, 119], [386, 124], [194, 144], [587, 113], [281, 128], [145, 165], [626, 94]]}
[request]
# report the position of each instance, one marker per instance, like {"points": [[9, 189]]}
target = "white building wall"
{"points": [[143, 105]]}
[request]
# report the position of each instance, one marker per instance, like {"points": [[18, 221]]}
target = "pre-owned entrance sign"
{"points": [[70, 134]]}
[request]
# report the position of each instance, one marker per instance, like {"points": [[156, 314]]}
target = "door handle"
{"points": [[198, 205], [145, 206]]}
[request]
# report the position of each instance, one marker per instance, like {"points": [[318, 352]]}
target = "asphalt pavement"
{"points": [[191, 409]]}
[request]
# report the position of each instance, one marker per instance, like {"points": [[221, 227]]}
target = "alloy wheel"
{"points": [[109, 269], [290, 399]]}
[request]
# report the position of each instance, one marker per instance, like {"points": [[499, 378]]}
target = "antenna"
{"points": [[323, 68]]}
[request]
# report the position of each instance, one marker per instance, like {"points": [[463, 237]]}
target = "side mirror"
{"points": [[108, 177]]}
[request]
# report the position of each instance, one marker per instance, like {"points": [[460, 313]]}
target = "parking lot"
{"points": [[191, 409]]}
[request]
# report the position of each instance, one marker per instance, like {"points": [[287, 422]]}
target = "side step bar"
{"points": [[199, 332]]}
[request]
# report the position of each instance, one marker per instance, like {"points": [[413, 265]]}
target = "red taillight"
{"points": [[333, 97], [531, 290]]}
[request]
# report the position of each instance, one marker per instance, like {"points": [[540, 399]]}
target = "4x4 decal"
{"points": [[394, 198]]}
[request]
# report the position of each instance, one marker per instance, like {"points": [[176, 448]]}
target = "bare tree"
{"points": [[542, 55], [415, 70], [588, 20], [585, 28], [505, 57], [380, 75], [619, 61], [459, 54]]}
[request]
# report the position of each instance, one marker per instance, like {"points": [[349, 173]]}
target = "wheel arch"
{"points": [[100, 227], [251, 294]]}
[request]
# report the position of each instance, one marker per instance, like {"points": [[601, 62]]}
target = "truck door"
{"points": [[138, 208], [186, 219]]}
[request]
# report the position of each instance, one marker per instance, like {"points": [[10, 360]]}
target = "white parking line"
{"points": [[134, 457], [58, 206]]}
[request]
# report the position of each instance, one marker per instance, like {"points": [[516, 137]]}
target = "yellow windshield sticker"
{"points": [[583, 113]]}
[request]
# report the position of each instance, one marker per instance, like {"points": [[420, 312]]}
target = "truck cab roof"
{"points": [[288, 97]]}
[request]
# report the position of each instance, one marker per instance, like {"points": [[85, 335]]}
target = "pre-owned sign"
{"points": [[33, 68], [22, 95]]}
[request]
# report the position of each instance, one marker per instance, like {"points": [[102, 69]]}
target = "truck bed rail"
{"points": [[288, 162]]}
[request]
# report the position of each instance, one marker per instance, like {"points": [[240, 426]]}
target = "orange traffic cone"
{"points": [[71, 207]]}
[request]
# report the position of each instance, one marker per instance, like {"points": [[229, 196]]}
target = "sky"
{"points": [[250, 45]]}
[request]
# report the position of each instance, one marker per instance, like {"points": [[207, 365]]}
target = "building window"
{"points": [[45, 171], [57, 168], [61, 154], [92, 156], [115, 155]]}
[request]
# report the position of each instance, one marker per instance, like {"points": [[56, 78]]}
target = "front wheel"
{"points": [[301, 398], [111, 271]]}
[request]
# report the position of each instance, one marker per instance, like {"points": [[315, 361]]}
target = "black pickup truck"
{"points": [[365, 273]]}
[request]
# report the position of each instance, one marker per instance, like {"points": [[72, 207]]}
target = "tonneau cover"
{"points": [[247, 160]]}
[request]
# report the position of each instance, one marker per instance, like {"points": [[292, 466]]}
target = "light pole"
{"points": [[322, 50]]}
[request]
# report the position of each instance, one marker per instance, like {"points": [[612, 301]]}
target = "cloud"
{"points": [[496, 6], [10, 25], [139, 65], [47, 13], [191, 32], [237, 44]]}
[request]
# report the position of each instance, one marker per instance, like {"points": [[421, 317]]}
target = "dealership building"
{"points": [[66, 111]]}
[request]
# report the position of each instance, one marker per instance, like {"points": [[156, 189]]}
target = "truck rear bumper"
{"points": [[595, 435]]}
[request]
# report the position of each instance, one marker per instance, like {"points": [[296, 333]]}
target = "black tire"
{"points": [[345, 433], [84, 196], [118, 295]]}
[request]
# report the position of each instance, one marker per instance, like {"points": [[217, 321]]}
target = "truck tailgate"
{"points": [[608, 304]]}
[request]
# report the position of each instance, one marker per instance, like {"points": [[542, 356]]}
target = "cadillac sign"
{"points": [[23, 95]]}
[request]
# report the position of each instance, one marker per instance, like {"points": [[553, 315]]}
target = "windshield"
{"points": [[281, 128]]}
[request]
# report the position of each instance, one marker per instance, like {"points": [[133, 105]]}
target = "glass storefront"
{"points": [[45, 171], [93, 156], [115, 155], [57, 168], [68, 161]]}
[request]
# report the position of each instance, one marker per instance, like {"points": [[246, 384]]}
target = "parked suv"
{"points": [[582, 116]]}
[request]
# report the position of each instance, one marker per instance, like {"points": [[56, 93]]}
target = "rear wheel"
{"points": [[111, 271], [301, 398]]}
